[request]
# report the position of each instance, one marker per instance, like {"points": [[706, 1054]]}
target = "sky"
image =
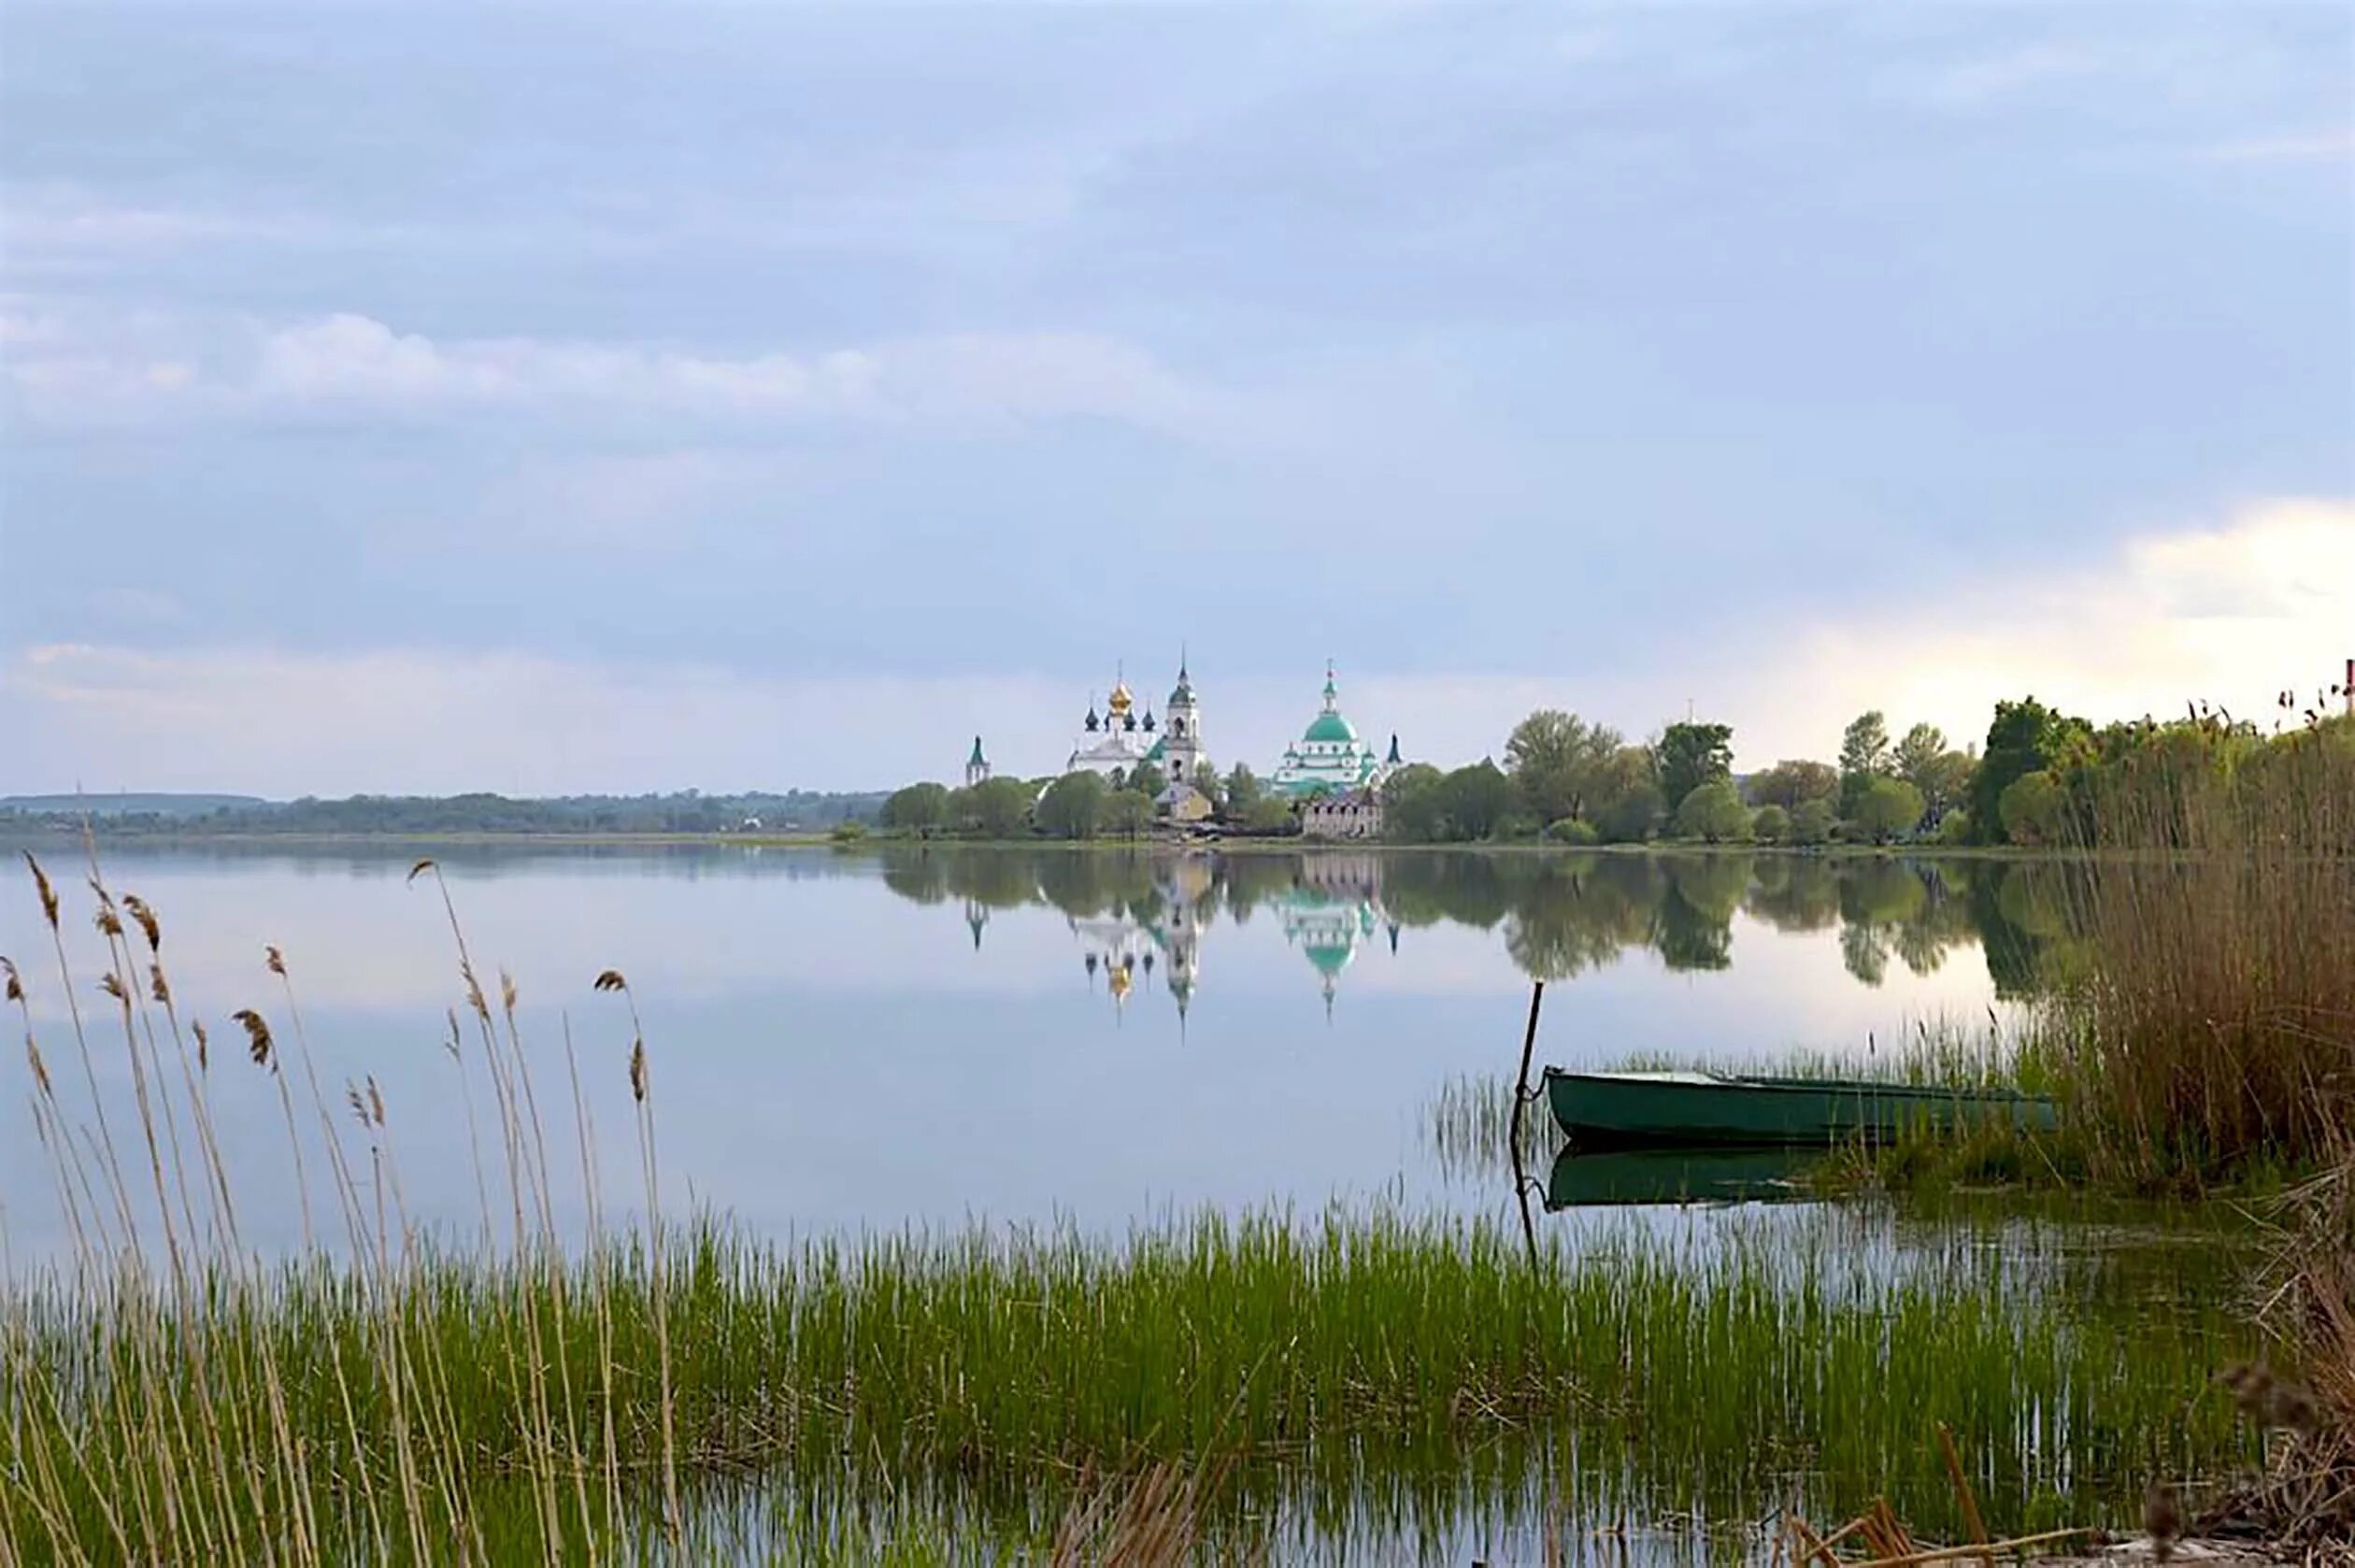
{"points": [[410, 398]]}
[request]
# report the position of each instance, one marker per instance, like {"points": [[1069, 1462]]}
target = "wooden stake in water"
{"points": [[1529, 1044], [1513, 1132]]}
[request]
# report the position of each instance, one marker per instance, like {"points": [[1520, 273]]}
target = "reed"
{"points": [[2213, 1027], [166, 1394]]}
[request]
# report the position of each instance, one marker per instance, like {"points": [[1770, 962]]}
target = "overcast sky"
{"points": [[565, 399]]}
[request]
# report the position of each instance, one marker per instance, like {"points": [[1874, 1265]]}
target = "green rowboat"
{"points": [[1688, 1108]]}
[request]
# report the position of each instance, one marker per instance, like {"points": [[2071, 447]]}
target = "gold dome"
{"points": [[1121, 700]]}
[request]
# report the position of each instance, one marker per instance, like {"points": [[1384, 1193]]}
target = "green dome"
{"points": [[1329, 726]]}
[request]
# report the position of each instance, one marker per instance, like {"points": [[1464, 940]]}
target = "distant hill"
{"points": [[123, 804], [688, 811]]}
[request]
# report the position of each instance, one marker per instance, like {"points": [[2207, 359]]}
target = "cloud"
{"points": [[69, 372], [2230, 614]]}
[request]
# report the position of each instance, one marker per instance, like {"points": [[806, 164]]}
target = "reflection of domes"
{"points": [[1329, 958]]}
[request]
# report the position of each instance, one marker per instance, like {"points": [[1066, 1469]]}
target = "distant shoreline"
{"points": [[876, 842]]}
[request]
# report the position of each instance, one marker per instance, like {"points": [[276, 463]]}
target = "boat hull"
{"points": [[1688, 1109]]}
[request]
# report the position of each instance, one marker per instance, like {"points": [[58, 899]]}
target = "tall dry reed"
{"points": [[2212, 1027]]}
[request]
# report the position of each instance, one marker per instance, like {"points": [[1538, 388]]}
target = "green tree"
{"points": [[1627, 803], [1794, 781], [1474, 799], [1073, 806], [2024, 737], [1811, 822], [1772, 825], [1413, 810], [1148, 780], [1691, 755], [1270, 814], [917, 808], [2031, 808], [1242, 789], [1713, 811], [1890, 807], [1125, 813], [1556, 760], [999, 807], [1923, 745], [1863, 757]]}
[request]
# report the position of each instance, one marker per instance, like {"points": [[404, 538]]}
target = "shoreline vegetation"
{"points": [[646, 1385], [2035, 784], [620, 1390]]}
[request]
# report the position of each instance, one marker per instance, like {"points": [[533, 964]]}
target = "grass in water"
{"points": [[386, 1393]]}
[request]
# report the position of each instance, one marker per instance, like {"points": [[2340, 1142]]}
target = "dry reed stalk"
{"points": [[1953, 1554], [585, 1137], [524, 1184], [1963, 1493], [640, 1091], [105, 1143]]}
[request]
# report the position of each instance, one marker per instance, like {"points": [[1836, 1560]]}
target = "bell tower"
{"points": [[1186, 759]]}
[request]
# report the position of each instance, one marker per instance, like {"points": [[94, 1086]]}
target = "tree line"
{"points": [[687, 811], [1077, 806], [2036, 782], [1567, 780]]}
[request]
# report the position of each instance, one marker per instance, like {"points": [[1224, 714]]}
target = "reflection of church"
{"points": [[1334, 906], [1332, 909]]}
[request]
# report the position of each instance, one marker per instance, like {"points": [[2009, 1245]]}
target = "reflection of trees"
{"points": [[993, 878], [1795, 893], [1692, 927], [1085, 883], [1562, 914], [917, 875], [1863, 952], [2021, 912], [1876, 896], [1467, 888], [1577, 914], [1255, 879]]}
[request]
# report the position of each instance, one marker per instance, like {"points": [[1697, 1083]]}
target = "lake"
{"points": [[926, 1033], [1111, 1049]]}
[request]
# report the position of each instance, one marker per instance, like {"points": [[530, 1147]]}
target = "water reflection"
{"points": [[1560, 915], [1099, 1034]]}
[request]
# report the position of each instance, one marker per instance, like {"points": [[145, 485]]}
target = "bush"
{"points": [[1955, 828], [1887, 807], [1713, 812], [1572, 831], [848, 833], [1811, 822], [2033, 809], [1772, 825], [1270, 815]]}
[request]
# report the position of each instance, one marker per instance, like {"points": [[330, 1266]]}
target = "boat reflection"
{"points": [[1677, 1175]]}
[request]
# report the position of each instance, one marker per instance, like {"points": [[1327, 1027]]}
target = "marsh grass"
{"points": [[393, 1395], [2215, 1026]]}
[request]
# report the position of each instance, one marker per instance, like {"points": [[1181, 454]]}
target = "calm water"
{"points": [[928, 1036], [846, 1042]]}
